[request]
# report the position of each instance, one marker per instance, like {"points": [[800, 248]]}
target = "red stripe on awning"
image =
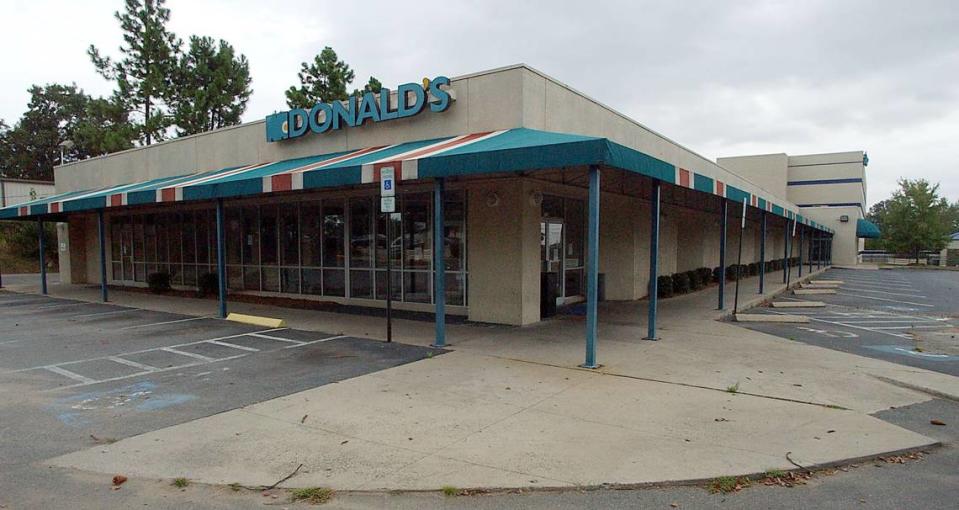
{"points": [[54, 207], [168, 194], [282, 182], [720, 188], [116, 200], [397, 170], [684, 177]]}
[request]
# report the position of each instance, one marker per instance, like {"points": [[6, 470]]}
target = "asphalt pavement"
{"points": [[905, 316], [74, 375]]}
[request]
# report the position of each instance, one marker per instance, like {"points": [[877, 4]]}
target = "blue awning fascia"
{"points": [[867, 229]]}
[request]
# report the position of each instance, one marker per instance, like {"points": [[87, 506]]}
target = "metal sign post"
{"points": [[388, 207]]}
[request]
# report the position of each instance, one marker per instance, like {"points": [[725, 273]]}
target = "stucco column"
{"points": [[504, 252]]}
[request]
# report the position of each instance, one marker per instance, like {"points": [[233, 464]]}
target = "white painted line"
{"points": [[922, 353], [62, 305], [134, 364], [167, 369], [281, 339], [234, 346], [70, 375], [315, 341], [190, 354], [152, 349], [858, 327], [889, 300], [876, 284], [885, 292], [912, 327], [113, 312], [165, 322]]}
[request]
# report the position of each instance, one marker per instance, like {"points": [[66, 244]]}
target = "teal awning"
{"points": [[867, 229], [512, 150]]}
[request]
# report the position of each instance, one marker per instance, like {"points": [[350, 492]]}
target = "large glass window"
{"points": [[332, 247]]}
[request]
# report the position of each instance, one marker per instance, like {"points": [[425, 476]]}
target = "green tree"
{"points": [[916, 218], [54, 114], [211, 87], [143, 74], [372, 85], [324, 80], [877, 214]]}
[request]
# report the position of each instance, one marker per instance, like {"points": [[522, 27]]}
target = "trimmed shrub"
{"points": [[158, 282], [695, 281], [664, 286], [681, 284], [753, 268], [207, 284], [705, 275], [730, 272], [717, 274]]}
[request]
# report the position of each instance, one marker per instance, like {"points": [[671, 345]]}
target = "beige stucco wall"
{"points": [[766, 170], [14, 191], [846, 246]]}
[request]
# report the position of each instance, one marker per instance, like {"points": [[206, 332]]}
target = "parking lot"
{"points": [[905, 316], [76, 374]]}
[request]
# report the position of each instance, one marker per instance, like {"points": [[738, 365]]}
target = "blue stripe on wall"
{"points": [[849, 204], [824, 181]]}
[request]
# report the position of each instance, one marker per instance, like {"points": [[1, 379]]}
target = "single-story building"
{"points": [[531, 190]]}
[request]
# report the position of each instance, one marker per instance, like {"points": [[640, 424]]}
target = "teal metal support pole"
{"points": [[102, 235], [818, 250], [786, 253], [762, 254], [592, 268], [439, 262], [43, 257], [654, 203], [802, 232], [220, 258], [722, 256]]}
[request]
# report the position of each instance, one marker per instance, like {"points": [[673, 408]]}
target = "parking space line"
{"points": [[62, 305], [853, 326], [190, 354], [281, 339], [112, 312], [134, 364], [68, 374], [884, 292], [226, 344], [311, 342], [159, 370], [914, 327], [166, 322], [885, 299]]}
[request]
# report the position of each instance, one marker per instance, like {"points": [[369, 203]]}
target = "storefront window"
{"points": [[332, 247]]}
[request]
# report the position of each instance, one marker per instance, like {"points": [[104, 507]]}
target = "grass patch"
{"points": [[733, 389], [180, 482], [727, 484], [775, 473], [449, 490], [235, 487], [313, 495]]}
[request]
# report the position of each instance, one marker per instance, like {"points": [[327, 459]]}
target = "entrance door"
{"points": [[551, 252]]}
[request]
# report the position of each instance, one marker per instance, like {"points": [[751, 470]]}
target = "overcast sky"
{"points": [[722, 78]]}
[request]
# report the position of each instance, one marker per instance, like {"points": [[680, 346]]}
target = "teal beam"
{"points": [[102, 235], [592, 268], [220, 259], [722, 256], [654, 220], [439, 262], [43, 257], [762, 254]]}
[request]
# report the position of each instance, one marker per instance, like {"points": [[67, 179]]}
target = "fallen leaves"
{"points": [[938, 422], [788, 479]]}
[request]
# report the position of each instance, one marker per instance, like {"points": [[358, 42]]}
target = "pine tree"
{"points": [[372, 85], [323, 81], [143, 74], [211, 87], [57, 113]]}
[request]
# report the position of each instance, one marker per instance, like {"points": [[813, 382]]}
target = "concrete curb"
{"points": [[916, 387]]}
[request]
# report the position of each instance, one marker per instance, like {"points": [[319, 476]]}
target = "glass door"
{"points": [[551, 251]]}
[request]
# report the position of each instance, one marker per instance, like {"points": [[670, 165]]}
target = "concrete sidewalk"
{"points": [[510, 408]]}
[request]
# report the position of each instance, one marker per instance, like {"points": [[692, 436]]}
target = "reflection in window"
{"points": [[333, 233]]}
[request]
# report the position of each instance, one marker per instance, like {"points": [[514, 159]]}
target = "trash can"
{"points": [[547, 294]]}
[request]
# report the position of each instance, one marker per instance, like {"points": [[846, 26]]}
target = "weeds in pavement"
{"points": [[775, 473], [449, 490], [235, 487], [733, 389], [727, 484], [180, 482], [314, 495]]}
